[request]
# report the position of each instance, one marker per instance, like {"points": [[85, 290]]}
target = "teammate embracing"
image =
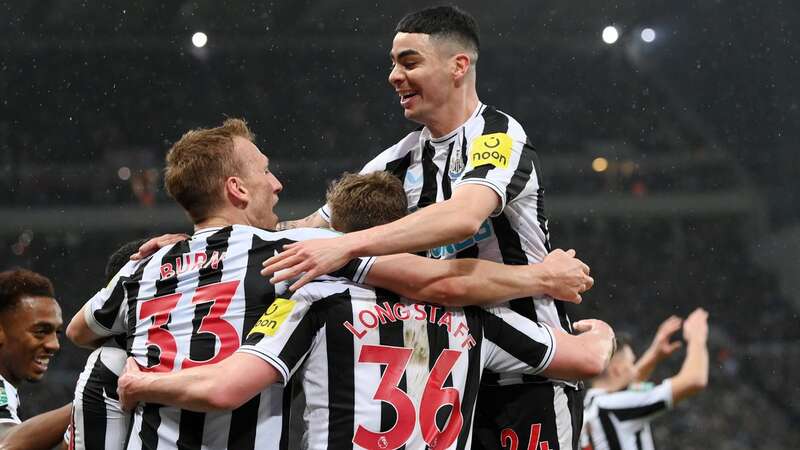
{"points": [[474, 181]]}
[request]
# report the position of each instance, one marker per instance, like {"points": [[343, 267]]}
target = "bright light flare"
{"points": [[648, 35], [600, 164], [610, 34], [199, 39]]}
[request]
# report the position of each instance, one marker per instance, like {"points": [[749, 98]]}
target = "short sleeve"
{"points": [[9, 403], [516, 343], [105, 311], [501, 159]]}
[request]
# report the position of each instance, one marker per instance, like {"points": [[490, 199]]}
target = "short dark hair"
{"points": [[120, 257], [443, 21], [18, 283], [358, 202]]}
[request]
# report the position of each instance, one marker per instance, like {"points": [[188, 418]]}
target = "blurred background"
{"points": [[667, 131]]}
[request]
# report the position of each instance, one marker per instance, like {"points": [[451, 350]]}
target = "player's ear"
{"points": [[236, 192], [461, 64]]}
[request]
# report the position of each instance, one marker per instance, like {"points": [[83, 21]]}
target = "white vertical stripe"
{"points": [[366, 376], [563, 416]]}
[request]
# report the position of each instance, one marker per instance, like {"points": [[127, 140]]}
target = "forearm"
{"points": [[580, 357], [314, 220], [194, 389], [44, 431], [458, 282], [693, 376], [646, 364], [438, 224]]}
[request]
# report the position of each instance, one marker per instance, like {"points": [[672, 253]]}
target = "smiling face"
{"points": [[422, 76], [30, 332]]}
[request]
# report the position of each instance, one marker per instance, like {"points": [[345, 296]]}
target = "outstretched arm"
{"points": [[223, 386], [660, 349], [79, 332], [314, 220], [693, 376], [463, 282], [442, 223], [582, 356], [41, 432]]}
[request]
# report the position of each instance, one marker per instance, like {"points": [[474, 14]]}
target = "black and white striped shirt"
{"points": [[191, 304], [490, 149], [9, 402], [621, 420], [381, 372], [98, 421]]}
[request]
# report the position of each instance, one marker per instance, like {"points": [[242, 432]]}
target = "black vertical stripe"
{"points": [[494, 121], [132, 293], [94, 406], [341, 368], [429, 171], [522, 174], [609, 430], [106, 315], [474, 369], [512, 253], [286, 412], [391, 333], [202, 346], [258, 294], [151, 418], [639, 440], [513, 341], [399, 167], [447, 191]]}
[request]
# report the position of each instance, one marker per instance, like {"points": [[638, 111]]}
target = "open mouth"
{"points": [[41, 363], [405, 98]]}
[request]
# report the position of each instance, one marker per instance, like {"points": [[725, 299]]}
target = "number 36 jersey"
{"points": [[381, 372], [190, 304]]}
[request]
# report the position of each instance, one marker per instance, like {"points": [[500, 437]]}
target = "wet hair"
{"points": [[199, 163], [448, 22], [18, 283], [120, 257], [359, 202]]}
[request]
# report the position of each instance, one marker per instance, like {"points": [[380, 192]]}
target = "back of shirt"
{"points": [[188, 305], [621, 420], [382, 372]]}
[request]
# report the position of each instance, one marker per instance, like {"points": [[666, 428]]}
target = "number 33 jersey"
{"points": [[381, 372], [190, 304]]}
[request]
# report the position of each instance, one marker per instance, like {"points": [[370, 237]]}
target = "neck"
{"points": [[454, 114], [222, 219], [8, 377]]}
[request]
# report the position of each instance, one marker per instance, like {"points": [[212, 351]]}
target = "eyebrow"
{"points": [[408, 52]]}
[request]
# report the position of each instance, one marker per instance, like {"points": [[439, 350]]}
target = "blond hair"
{"points": [[359, 202], [199, 163]]}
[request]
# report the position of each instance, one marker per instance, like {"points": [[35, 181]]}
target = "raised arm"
{"points": [[660, 349], [693, 376], [41, 432], [223, 386], [442, 223], [463, 282]]}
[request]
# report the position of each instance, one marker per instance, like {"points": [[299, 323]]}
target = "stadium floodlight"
{"points": [[199, 39], [648, 35], [610, 34], [600, 164], [124, 173]]}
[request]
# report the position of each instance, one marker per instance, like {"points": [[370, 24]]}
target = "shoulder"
{"points": [[491, 120], [294, 234]]}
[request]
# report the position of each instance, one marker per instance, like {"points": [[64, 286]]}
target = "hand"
{"points": [[315, 257], [127, 383], [601, 329], [695, 327], [661, 345], [568, 276], [156, 243]]}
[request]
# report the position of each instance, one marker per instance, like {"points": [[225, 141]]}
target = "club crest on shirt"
{"points": [[271, 321], [456, 164], [493, 149]]}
